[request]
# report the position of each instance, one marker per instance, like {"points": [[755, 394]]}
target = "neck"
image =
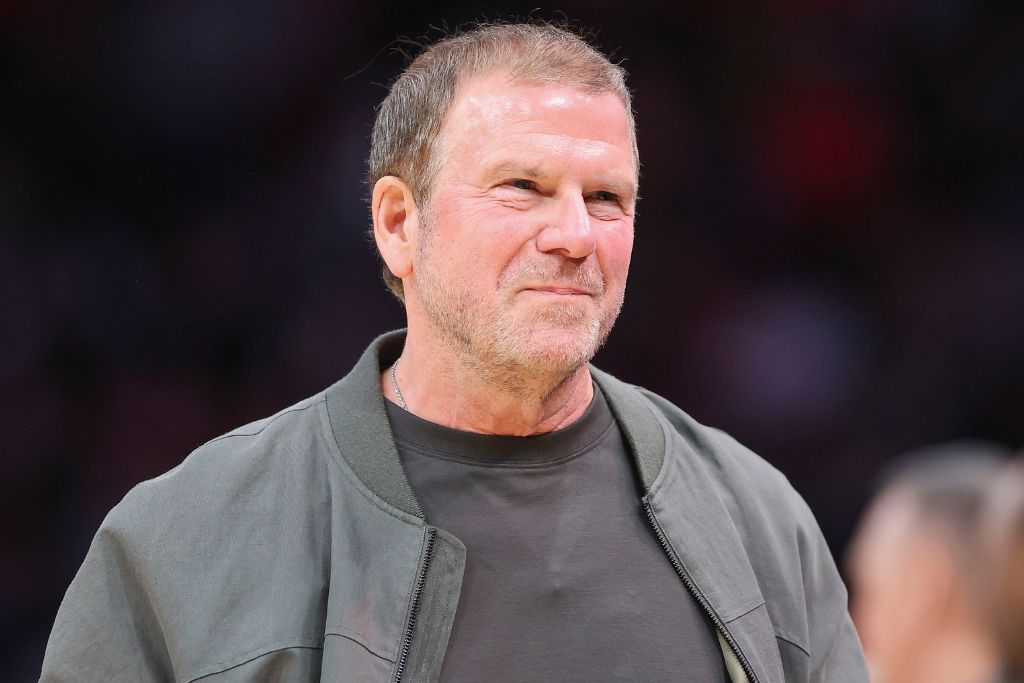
{"points": [[440, 386]]}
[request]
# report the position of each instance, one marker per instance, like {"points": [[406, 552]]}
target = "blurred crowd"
{"points": [[937, 568], [827, 265]]}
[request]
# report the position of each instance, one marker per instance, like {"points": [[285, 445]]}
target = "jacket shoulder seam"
{"points": [[270, 421]]}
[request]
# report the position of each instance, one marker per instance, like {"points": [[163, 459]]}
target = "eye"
{"points": [[603, 196], [523, 184]]}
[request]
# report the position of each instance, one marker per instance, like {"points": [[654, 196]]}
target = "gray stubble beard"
{"points": [[498, 352]]}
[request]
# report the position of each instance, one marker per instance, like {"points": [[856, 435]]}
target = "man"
{"points": [[474, 502], [915, 572], [1002, 552]]}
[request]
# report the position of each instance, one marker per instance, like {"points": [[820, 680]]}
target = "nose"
{"points": [[568, 231]]}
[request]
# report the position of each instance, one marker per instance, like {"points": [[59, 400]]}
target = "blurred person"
{"points": [[914, 573], [474, 501], [1003, 553]]}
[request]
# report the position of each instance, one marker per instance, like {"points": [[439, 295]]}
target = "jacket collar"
{"points": [[361, 428], [360, 424], [643, 431]]}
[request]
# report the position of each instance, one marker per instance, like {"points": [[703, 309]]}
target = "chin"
{"points": [[554, 348]]}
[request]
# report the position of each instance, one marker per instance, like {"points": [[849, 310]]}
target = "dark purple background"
{"points": [[828, 259]]}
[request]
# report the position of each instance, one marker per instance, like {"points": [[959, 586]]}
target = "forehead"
{"points": [[884, 535], [492, 112]]}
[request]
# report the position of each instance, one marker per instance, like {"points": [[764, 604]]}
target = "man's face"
{"points": [[524, 248], [897, 576], [1002, 558]]}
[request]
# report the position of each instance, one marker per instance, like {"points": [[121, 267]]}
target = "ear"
{"points": [[395, 223]]}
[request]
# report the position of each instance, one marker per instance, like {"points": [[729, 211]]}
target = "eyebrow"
{"points": [[509, 168], [625, 190]]}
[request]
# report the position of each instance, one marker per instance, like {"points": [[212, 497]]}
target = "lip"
{"points": [[559, 290]]}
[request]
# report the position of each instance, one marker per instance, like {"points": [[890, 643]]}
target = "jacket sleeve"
{"points": [[106, 628], [835, 652]]}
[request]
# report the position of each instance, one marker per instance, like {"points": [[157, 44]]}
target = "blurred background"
{"points": [[828, 257]]}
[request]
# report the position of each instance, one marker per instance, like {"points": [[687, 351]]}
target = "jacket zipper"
{"points": [[696, 593], [414, 608]]}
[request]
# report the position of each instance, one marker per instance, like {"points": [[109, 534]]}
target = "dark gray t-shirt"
{"points": [[565, 580]]}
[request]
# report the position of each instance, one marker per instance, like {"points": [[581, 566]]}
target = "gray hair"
{"points": [[949, 481], [1004, 540], [948, 484], [410, 119]]}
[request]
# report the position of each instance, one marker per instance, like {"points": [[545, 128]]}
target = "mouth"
{"points": [[558, 290]]}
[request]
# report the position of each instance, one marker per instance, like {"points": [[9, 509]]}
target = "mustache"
{"points": [[586, 275]]}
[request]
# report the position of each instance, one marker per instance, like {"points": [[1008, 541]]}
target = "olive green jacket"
{"points": [[293, 549]]}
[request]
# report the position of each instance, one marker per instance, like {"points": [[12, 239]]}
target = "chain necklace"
{"points": [[394, 385]]}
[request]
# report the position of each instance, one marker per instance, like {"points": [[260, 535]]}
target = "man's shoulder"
{"points": [[754, 502], [745, 481], [236, 534], [260, 466]]}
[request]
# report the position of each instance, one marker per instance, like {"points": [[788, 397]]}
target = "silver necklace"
{"points": [[394, 385]]}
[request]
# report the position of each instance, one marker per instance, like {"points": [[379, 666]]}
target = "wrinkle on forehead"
{"points": [[495, 106], [484, 105], [555, 145]]}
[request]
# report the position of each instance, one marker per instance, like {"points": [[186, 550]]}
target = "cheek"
{"points": [[615, 252], [467, 236], [875, 599], [895, 618], [869, 614]]}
